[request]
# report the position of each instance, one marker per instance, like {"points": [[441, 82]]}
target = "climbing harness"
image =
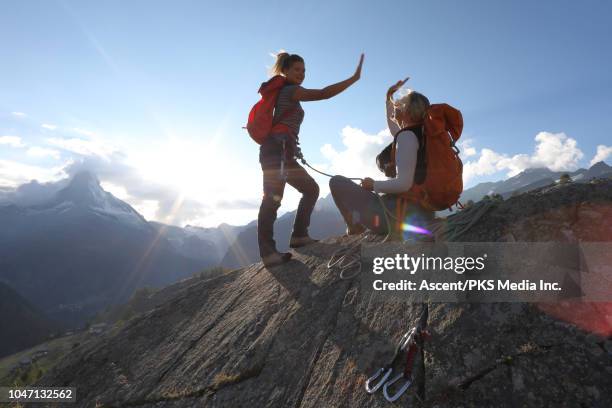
{"points": [[406, 349]]}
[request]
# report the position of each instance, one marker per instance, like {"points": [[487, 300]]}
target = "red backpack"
{"points": [[260, 124]]}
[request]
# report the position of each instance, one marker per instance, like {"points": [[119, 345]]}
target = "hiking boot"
{"points": [[276, 258], [298, 242]]}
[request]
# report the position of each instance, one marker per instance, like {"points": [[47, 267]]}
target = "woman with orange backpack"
{"points": [[423, 166], [279, 141]]}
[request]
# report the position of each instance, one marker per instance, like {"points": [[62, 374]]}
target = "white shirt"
{"points": [[407, 145]]}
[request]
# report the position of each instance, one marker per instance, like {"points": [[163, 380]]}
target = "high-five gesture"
{"points": [[303, 94], [357, 73], [395, 87]]}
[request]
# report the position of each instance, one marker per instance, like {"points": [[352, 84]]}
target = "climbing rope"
{"points": [[459, 223], [299, 155], [348, 258]]}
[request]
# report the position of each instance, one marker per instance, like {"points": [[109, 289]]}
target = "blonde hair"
{"points": [[416, 104], [284, 61]]}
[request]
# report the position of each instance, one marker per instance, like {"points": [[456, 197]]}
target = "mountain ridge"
{"points": [[298, 336]]}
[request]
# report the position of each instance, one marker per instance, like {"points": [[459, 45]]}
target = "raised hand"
{"points": [[395, 87], [357, 73]]}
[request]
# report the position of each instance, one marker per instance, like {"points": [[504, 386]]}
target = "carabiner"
{"points": [[407, 339], [400, 392], [387, 373]]}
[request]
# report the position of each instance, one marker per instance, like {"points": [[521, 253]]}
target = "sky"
{"points": [[151, 96]]}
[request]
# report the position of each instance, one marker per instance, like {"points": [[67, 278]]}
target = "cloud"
{"points": [[555, 151], [466, 149], [13, 173], [171, 185], [358, 158], [37, 151], [48, 126], [83, 147], [603, 152], [83, 132], [13, 141], [19, 114], [32, 193], [155, 201], [238, 204], [118, 191]]}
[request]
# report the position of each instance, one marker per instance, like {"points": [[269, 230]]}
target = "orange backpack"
{"points": [[443, 182]]}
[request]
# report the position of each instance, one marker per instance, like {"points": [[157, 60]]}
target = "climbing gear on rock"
{"points": [[348, 258], [461, 222], [407, 348]]}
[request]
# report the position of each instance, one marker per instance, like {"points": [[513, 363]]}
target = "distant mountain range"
{"points": [[80, 249], [530, 179], [194, 242], [72, 248]]}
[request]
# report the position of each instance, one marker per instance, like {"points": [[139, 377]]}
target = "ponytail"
{"points": [[284, 61]]}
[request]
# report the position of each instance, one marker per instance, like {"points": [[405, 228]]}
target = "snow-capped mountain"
{"points": [[84, 193], [81, 249]]}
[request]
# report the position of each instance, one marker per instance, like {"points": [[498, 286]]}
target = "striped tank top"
{"points": [[283, 103]]}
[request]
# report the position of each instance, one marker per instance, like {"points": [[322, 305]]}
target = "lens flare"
{"points": [[415, 228]]}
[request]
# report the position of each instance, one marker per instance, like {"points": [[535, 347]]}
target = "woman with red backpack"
{"points": [[279, 147], [423, 166]]}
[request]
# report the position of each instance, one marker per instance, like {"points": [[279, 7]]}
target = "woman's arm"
{"points": [[393, 126], [303, 94], [405, 161]]}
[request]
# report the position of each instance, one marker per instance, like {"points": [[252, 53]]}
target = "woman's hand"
{"points": [[302, 94], [395, 87], [368, 184], [357, 73]]}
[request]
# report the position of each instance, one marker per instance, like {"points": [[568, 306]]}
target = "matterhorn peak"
{"points": [[83, 189]]}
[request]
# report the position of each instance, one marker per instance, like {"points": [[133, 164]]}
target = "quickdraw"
{"points": [[407, 347]]}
